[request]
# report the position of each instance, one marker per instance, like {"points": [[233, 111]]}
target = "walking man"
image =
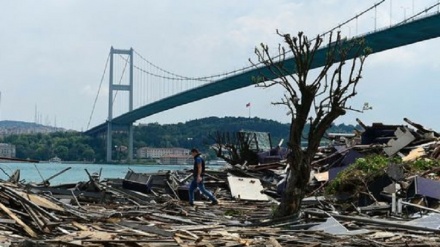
{"points": [[197, 182]]}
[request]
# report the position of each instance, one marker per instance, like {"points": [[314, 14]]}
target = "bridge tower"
{"points": [[120, 87]]}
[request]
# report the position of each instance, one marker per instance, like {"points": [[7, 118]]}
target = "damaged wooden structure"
{"points": [[399, 208]]}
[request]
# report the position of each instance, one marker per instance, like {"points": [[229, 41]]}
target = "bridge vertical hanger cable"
{"points": [[148, 86], [143, 92], [168, 89], [142, 86], [164, 87], [152, 84], [375, 18], [149, 79], [173, 85], [161, 86], [99, 90], [136, 91], [135, 103], [391, 13]]}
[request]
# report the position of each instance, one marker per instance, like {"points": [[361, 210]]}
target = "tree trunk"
{"points": [[298, 179]]}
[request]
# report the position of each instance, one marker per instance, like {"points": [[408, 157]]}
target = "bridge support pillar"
{"points": [[109, 142], [130, 143], [116, 87]]}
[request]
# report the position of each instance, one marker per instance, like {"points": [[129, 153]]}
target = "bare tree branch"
{"points": [[318, 101]]}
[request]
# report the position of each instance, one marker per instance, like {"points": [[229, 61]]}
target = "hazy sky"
{"points": [[52, 55]]}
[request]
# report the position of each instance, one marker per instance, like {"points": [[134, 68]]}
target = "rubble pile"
{"points": [[377, 187]]}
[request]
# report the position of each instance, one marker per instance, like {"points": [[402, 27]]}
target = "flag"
{"points": [[248, 104]]}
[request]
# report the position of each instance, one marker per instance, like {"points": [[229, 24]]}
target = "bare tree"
{"points": [[318, 100], [234, 147]]}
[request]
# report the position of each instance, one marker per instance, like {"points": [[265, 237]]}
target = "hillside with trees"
{"points": [[75, 146]]}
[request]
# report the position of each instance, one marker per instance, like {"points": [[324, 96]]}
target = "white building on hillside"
{"points": [[7, 150], [157, 153], [176, 159]]}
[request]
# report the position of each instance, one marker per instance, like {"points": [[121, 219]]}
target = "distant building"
{"points": [[175, 159], [157, 153], [7, 150]]}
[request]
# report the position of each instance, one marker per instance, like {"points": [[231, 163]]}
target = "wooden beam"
{"points": [[26, 228]]}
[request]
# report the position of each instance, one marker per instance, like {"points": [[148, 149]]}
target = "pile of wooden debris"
{"points": [[397, 206], [34, 217]]}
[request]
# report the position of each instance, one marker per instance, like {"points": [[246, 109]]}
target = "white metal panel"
{"points": [[246, 188]]}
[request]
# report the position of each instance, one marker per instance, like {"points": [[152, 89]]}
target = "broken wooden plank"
{"points": [[15, 194], [175, 218], [184, 236], [41, 201], [74, 243], [26, 228], [197, 228], [172, 190], [139, 232], [189, 234], [149, 229], [274, 242], [180, 241], [420, 206], [7, 221], [80, 226], [414, 154], [37, 220]]}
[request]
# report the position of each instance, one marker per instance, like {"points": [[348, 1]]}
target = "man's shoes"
{"points": [[191, 204], [214, 202]]}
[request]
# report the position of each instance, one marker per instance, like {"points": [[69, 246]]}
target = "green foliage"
{"points": [[234, 212], [421, 165], [74, 146], [358, 175], [66, 145]]}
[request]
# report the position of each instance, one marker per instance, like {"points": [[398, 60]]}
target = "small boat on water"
{"points": [[55, 159]]}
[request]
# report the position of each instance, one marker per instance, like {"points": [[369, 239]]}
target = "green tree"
{"points": [[88, 154], [62, 152]]}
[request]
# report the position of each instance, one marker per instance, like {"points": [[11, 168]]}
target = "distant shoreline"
{"points": [[6, 159]]}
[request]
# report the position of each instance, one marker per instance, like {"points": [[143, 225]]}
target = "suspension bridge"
{"points": [[166, 90]]}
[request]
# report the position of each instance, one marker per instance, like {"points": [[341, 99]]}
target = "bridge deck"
{"points": [[381, 40]]}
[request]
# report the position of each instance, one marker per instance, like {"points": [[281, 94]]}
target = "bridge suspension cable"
{"points": [[420, 13], [174, 76], [99, 90], [168, 75], [353, 18]]}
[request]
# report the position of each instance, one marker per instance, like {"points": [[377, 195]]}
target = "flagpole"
{"points": [[249, 111]]}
